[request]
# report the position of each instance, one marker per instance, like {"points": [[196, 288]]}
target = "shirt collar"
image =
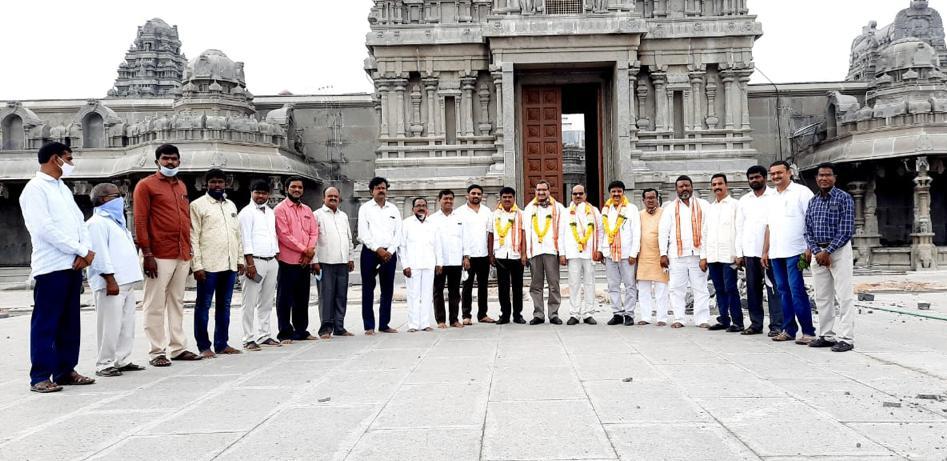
{"points": [[46, 177], [329, 210]]}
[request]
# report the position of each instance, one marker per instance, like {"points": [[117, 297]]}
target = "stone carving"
{"points": [[138, 76]]}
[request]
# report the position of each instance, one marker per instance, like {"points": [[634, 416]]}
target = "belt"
{"points": [[265, 259]]}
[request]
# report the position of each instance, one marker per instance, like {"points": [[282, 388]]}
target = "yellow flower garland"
{"points": [[540, 235], [611, 233], [503, 231], [584, 239]]}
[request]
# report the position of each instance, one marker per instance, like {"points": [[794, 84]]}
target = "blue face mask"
{"points": [[115, 208], [169, 172], [216, 194]]}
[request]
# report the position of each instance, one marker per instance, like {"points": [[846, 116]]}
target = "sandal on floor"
{"points": [[160, 361], [109, 372], [45, 387], [75, 379], [131, 367], [186, 356]]}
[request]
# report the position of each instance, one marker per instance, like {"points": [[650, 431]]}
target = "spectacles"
{"points": [[578, 193]]}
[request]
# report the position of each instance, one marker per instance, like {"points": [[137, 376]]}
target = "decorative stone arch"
{"points": [[95, 121], [840, 109], [18, 126]]}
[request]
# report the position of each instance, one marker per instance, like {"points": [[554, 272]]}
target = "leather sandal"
{"points": [[45, 387], [160, 361]]}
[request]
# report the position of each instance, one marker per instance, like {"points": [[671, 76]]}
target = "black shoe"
{"points": [[842, 346], [555, 321], [751, 331], [615, 320], [629, 320], [822, 342], [718, 327], [734, 329], [590, 321], [536, 321], [503, 321], [572, 321], [519, 320], [773, 333]]}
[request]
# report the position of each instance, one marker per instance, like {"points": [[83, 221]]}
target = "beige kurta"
{"points": [[649, 258]]}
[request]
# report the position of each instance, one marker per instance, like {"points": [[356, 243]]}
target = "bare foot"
{"points": [[442, 325], [369, 332], [457, 325]]}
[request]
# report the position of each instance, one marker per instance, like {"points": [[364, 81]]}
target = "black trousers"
{"points": [[754, 296], [450, 276], [479, 269], [292, 301], [333, 297], [510, 271], [54, 326]]}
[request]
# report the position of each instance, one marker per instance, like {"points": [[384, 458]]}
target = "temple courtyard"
{"points": [[514, 392]]}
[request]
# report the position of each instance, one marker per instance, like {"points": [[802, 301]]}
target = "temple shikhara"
{"points": [[508, 92]]}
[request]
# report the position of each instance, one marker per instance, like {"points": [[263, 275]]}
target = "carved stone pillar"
{"points": [[484, 93], [399, 106], [632, 99], [923, 251], [697, 83], [416, 127], [729, 84], [430, 86], [688, 107], [712, 120], [660, 101], [744, 94], [862, 251], [644, 123], [467, 85], [497, 74], [442, 104], [384, 96]]}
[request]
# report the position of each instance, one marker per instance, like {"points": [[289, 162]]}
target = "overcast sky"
{"points": [[70, 49]]}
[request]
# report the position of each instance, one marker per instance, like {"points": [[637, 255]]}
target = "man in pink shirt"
{"points": [[296, 234]]}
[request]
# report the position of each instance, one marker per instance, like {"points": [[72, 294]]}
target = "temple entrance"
{"points": [[562, 139]]}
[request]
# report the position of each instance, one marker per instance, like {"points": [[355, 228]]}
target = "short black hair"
{"points": [[683, 177], [167, 149], [260, 185], [505, 190], [827, 165], [651, 189], [757, 169], [474, 186], [376, 181], [214, 173], [293, 179], [719, 175], [781, 163], [50, 150], [616, 183], [414, 202], [444, 192]]}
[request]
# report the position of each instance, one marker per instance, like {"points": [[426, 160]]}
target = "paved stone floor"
{"points": [[500, 393]]}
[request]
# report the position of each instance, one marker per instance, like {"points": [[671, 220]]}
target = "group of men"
{"points": [[650, 256]]}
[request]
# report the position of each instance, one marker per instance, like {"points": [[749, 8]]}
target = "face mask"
{"points": [[169, 172], [115, 209], [216, 194], [66, 168]]}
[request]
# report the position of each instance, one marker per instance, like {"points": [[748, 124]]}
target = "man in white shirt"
{"points": [[379, 230], [541, 220], [112, 278], [721, 255], [419, 261], [334, 262], [784, 244], [218, 259], [579, 236], [260, 247], [450, 228], [682, 236], [752, 212], [618, 250], [508, 254], [61, 250], [476, 219]]}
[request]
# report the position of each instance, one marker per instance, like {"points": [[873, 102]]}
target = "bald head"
{"points": [[578, 193], [331, 198]]}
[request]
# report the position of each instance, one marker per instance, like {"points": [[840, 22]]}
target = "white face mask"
{"points": [[66, 167]]}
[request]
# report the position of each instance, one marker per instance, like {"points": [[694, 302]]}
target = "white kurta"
{"points": [[685, 268], [721, 230], [418, 252]]}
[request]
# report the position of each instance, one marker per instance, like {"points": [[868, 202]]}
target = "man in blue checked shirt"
{"points": [[830, 224]]}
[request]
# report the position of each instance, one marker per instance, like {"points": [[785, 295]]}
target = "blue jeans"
{"points": [[219, 284], [54, 326], [724, 278], [792, 296]]}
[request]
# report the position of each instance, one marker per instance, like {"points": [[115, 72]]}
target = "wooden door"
{"points": [[542, 139]]}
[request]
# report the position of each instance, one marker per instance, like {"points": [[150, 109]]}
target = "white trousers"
{"points": [[115, 326], [581, 280], [420, 298], [258, 301], [618, 274], [684, 271], [654, 297], [835, 284]]}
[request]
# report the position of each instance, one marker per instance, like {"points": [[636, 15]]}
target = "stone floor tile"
{"points": [[192, 446], [535, 383], [454, 444], [676, 442], [435, 405], [564, 429]]}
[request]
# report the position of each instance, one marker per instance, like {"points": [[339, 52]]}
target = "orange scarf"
{"points": [[697, 221], [574, 222], [555, 223]]}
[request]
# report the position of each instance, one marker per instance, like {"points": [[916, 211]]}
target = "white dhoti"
{"points": [[618, 274], [420, 298], [683, 271], [654, 297], [115, 326], [581, 288]]}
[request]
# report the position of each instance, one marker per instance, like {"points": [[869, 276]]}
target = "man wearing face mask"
{"points": [[297, 232], [218, 258], [61, 249], [682, 237], [420, 260], [163, 233], [112, 277], [258, 230]]}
